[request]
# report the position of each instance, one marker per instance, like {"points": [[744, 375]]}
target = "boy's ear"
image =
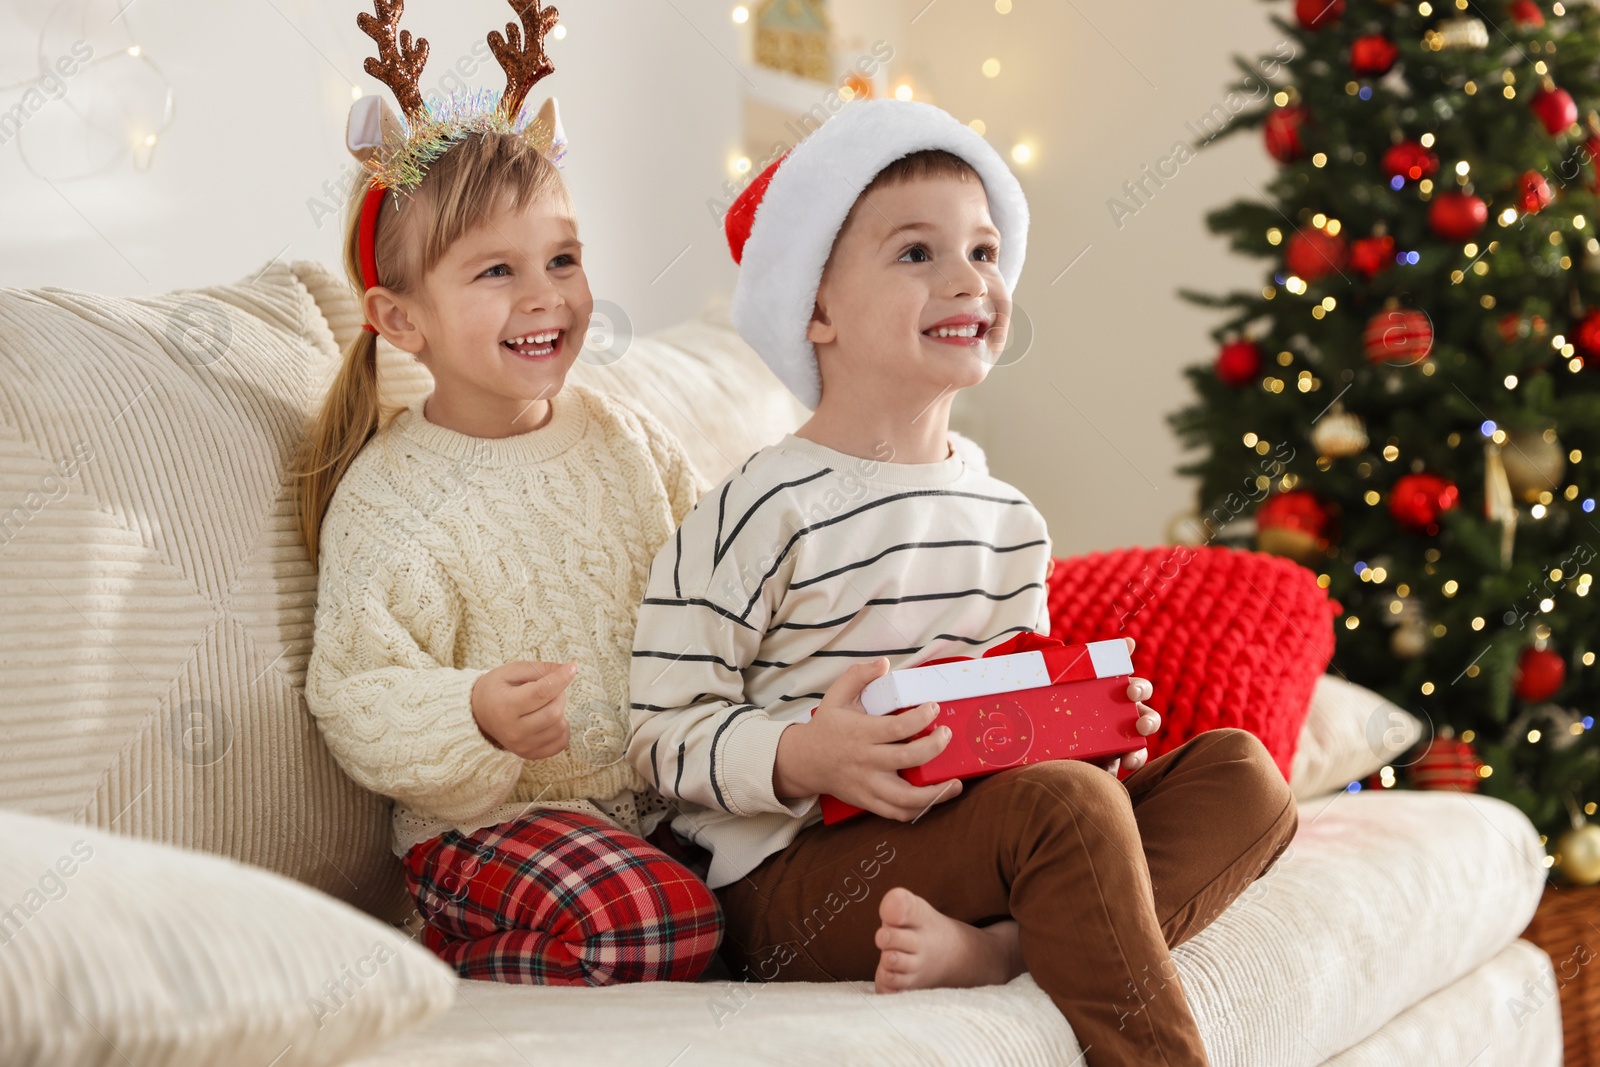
{"points": [[386, 312], [820, 330]]}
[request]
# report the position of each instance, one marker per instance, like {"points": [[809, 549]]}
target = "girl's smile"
{"points": [[536, 346]]}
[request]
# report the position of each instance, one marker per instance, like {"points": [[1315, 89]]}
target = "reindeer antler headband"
{"points": [[397, 149]]}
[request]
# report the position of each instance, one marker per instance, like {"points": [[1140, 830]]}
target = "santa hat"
{"points": [[782, 226]]}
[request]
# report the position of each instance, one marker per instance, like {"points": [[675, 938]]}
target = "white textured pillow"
{"points": [[1350, 732], [120, 951], [158, 605]]}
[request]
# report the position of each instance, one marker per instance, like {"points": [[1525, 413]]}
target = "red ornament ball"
{"points": [[1318, 14], [1238, 363], [1372, 255], [1294, 524], [1417, 501], [1372, 55], [1398, 335], [1533, 192], [1410, 161], [1457, 216], [1525, 13], [1447, 763], [1540, 674], [1298, 509], [1555, 109], [1281, 132], [1311, 254], [1586, 338]]}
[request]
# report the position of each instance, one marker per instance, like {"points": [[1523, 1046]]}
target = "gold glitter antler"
{"points": [[524, 61], [398, 63]]}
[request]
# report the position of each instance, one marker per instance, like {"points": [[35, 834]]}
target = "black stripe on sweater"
{"points": [[705, 658], [677, 560], [870, 653], [879, 601], [909, 545], [694, 601], [679, 707], [715, 738]]}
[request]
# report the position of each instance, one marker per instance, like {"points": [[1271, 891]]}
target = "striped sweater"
{"points": [[804, 561]]}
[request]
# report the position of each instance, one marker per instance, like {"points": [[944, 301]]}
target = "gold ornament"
{"points": [[1301, 546], [1498, 503], [1534, 462], [1339, 434], [1579, 849], [1459, 34]]}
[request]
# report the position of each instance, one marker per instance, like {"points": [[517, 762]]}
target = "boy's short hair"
{"points": [[928, 163], [918, 166]]}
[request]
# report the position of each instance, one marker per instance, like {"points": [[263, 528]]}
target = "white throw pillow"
{"points": [[158, 606], [1350, 732], [115, 950]]}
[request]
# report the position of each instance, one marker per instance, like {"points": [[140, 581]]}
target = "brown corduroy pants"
{"points": [[1103, 877]]}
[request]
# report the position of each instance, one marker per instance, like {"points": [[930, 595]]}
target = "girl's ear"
{"points": [[388, 312]]}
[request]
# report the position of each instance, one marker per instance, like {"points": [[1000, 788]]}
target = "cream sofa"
{"points": [[190, 879]]}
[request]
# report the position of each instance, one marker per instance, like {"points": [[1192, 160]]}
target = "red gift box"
{"points": [[1091, 719]]}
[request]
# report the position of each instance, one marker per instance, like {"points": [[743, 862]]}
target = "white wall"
{"points": [[262, 88], [651, 101]]}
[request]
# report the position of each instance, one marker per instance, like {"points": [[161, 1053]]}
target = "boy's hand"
{"points": [[522, 707], [855, 756], [1139, 690]]}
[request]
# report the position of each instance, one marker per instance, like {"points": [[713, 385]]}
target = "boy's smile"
{"points": [[968, 330]]}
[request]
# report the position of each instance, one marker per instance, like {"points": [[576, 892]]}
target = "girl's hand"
{"points": [[1139, 690], [522, 707]]}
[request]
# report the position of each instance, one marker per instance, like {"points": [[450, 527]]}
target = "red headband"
{"points": [[368, 240]]}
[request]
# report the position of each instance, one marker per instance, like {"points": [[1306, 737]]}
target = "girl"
{"points": [[481, 561]]}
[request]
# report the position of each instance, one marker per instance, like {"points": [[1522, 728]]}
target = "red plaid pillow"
{"points": [[1227, 637]]}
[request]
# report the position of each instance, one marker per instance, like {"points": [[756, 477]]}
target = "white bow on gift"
{"points": [[373, 122]]}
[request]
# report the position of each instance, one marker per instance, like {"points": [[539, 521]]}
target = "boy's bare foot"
{"points": [[921, 948]]}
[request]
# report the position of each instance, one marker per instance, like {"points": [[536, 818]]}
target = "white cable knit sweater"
{"points": [[444, 556]]}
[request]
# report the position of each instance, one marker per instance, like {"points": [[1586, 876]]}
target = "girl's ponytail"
{"points": [[346, 421]]}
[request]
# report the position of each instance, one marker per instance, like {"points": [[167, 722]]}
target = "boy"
{"points": [[877, 263]]}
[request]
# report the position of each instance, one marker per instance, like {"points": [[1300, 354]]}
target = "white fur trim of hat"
{"points": [[810, 192]]}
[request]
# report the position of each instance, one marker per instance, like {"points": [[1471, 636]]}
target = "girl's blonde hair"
{"points": [[461, 189]]}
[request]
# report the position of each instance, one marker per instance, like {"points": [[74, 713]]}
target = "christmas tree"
{"points": [[1410, 405]]}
